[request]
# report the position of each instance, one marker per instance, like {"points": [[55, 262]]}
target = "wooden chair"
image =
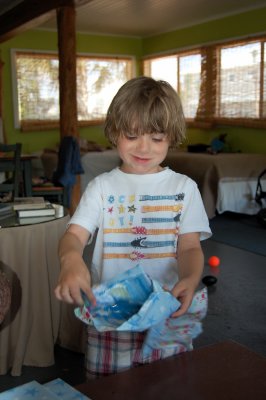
{"points": [[59, 189], [51, 192], [10, 155]]}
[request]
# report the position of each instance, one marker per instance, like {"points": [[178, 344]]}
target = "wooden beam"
{"points": [[66, 27], [67, 70], [27, 15], [27, 26]]}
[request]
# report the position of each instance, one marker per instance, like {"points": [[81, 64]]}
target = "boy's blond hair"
{"points": [[144, 105]]}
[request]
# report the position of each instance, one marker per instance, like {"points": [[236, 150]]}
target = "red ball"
{"points": [[214, 261]]}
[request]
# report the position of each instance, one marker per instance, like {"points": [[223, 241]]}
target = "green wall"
{"points": [[245, 24]]}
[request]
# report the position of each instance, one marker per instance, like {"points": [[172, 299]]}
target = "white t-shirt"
{"points": [[138, 219]]}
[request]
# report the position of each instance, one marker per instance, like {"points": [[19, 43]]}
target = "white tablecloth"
{"points": [[36, 320], [96, 163], [238, 195]]}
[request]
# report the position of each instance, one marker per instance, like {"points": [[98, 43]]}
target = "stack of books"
{"points": [[54, 390], [33, 207]]}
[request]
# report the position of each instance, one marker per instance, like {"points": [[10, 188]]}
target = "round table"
{"points": [[28, 257]]}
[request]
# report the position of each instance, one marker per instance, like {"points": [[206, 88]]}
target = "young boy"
{"points": [[144, 214]]}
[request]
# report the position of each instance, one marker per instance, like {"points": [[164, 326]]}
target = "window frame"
{"points": [[178, 55], [40, 125], [207, 114]]}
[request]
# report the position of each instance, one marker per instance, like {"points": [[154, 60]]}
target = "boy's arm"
{"points": [[74, 275], [190, 267]]}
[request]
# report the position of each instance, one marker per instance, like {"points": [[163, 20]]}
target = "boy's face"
{"points": [[142, 154]]}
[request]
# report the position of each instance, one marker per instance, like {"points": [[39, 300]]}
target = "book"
{"points": [[37, 212], [28, 203], [54, 390], [35, 220]]}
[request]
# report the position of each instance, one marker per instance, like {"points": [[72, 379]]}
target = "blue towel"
{"points": [[68, 166], [69, 162]]}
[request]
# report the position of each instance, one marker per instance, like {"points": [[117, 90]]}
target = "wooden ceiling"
{"points": [[142, 18], [139, 18]]}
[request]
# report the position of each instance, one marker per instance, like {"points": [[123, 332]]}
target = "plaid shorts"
{"points": [[112, 352]]}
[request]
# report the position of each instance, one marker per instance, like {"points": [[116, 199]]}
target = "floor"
{"points": [[237, 302]]}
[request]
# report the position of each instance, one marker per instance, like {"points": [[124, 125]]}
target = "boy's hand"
{"points": [[74, 276], [183, 291], [73, 280]]}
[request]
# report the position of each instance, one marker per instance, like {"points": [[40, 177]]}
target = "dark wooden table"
{"points": [[223, 371]]}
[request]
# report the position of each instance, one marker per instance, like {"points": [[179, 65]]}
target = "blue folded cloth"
{"points": [[133, 302]]}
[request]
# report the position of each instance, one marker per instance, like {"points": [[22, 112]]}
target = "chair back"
{"points": [[59, 188], [10, 155]]}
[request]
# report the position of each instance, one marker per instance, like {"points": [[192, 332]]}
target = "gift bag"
{"points": [[134, 302]]}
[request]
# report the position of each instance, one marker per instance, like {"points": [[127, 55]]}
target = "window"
{"points": [[183, 72], [97, 82], [239, 81], [164, 68], [223, 83], [189, 83], [37, 87]]}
